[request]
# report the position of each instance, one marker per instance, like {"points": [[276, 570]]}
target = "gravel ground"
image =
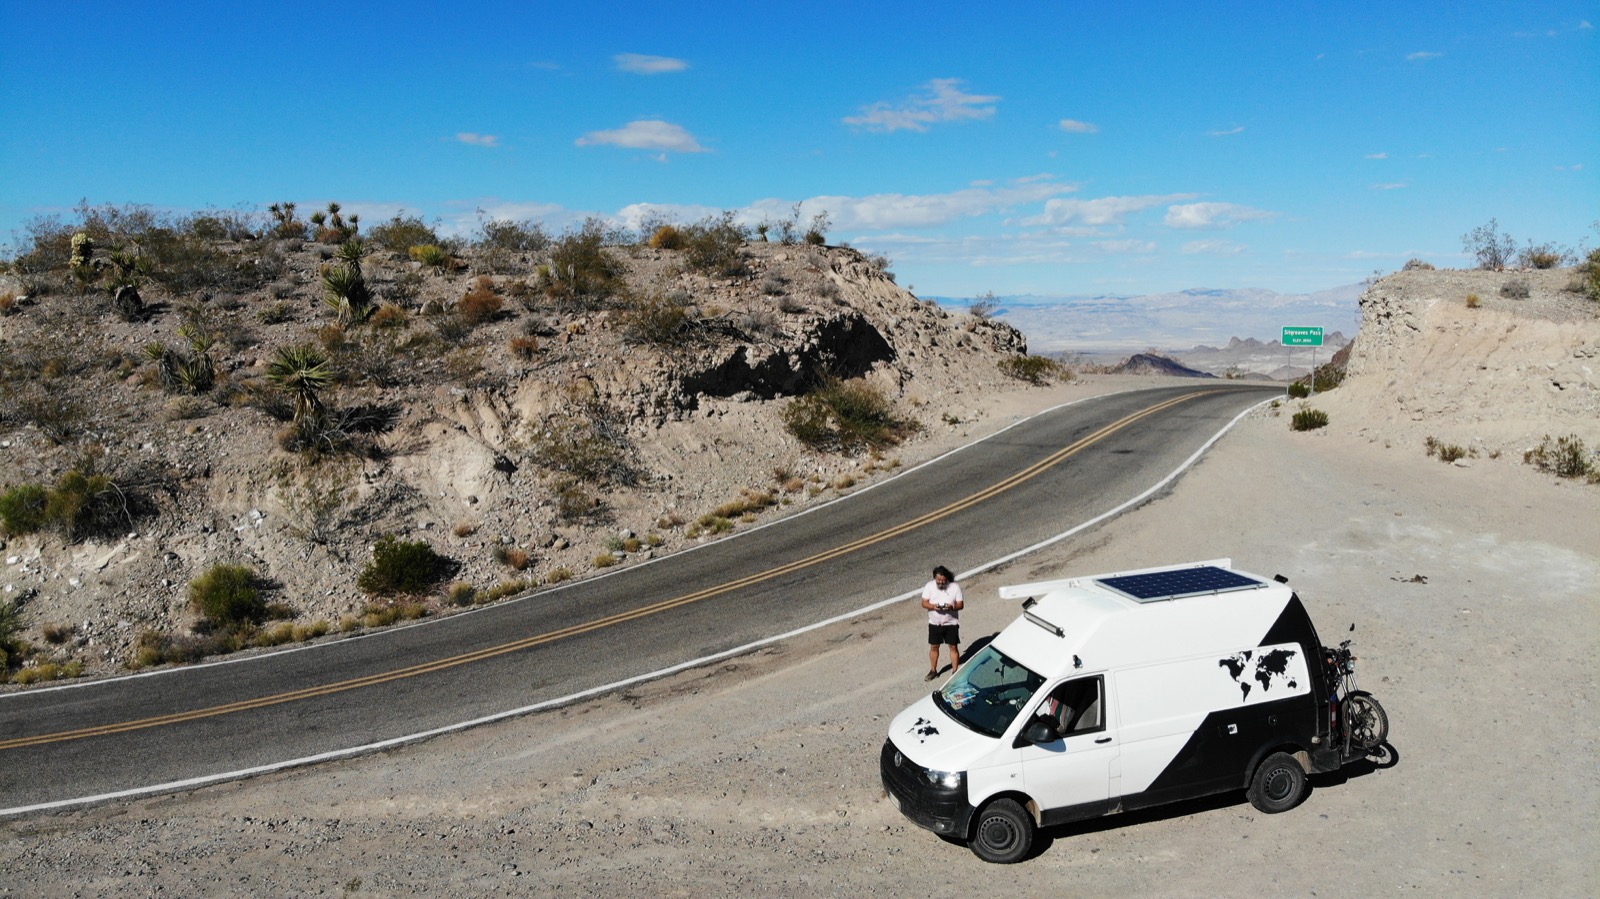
{"points": [[1473, 594]]}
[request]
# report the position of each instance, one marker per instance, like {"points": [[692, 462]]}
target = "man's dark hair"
{"points": [[944, 571]]}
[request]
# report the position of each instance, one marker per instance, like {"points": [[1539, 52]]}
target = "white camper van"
{"points": [[1122, 691]]}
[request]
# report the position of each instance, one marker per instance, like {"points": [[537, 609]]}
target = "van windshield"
{"points": [[988, 692]]}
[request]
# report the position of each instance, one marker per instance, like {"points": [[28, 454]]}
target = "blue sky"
{"points": [[1048, 148]]}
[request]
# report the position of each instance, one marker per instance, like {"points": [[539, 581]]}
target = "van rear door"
{"points": [[1070, 777]]}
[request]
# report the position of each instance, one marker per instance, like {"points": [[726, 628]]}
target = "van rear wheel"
{"points": [[1278, 784], [1004, 832]]}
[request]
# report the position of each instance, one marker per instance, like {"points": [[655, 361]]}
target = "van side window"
{"points": [[1077, 706]]}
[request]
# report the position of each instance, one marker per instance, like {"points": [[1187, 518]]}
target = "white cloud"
{"points": [[1393, 185], [635, 213], [1133, 247], [1585, 26], [478, 140], [943, 101], [1073, 126], [1377, 155], [640, 64], [1231, 131], [879, 211], [1098, 212], [1212, 215], [1575, 167], [1213, 248], [645, 134], [1422, 56]]}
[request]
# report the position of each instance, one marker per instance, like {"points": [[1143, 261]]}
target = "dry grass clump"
{"points": [[1474, 301], [1447, 452], [480, 304], [1564, 457], [511, 556], [1308, 419]]}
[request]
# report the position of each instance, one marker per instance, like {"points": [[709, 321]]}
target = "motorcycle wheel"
{"points": [[1368, 723]]}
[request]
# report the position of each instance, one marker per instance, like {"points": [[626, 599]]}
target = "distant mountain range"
{"points": [[1186, 318]]}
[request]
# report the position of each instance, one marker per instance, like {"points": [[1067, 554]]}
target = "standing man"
{"points": [[943, 600]]}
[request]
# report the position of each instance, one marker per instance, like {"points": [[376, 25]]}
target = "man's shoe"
{"points": [[931, 675]]}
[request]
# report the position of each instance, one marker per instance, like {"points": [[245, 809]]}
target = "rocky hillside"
{"points": [[527, 422], [1488, 361]]}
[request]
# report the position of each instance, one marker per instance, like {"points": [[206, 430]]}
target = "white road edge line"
{"points": [[208, 779]]}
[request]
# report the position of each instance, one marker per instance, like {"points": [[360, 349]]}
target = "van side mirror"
{"points": [[1040, 730]]}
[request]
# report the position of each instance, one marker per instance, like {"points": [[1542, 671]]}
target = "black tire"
{"points": [[1367, 721], [1003, 832], [1278, 784]]}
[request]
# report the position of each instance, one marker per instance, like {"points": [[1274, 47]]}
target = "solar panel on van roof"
{"points": [[1157, 586]]}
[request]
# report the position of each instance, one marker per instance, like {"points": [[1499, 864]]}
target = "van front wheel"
{"points": [[1003, 834], [1278, 784]]}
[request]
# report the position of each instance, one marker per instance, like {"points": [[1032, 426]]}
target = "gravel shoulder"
{"points": [[1473, 594]]}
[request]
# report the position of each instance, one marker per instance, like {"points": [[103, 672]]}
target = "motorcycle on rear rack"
{"points": [[1356, 720]]}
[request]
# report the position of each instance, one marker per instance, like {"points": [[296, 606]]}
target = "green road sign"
{"points": [[1302, 337]]}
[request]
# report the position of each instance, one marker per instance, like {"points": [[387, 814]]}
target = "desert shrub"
{"points": [[403, 567], [1564, 457], [511, 236], [558, 574], [656, 320], [984, 305], [575, 502], [580, 274], [1308, 420], [881, 264], [605, 560], [276, 313], [588, 444], [480, 304], [401, 233], [1492, 247], [1299, 390], [817, 232], [1034, 369], [227, 595], [1474, 301], [1516, 289], [715, 246], [389, 315], [1541, 256], [524, 348], [1588, 280], [667, 237], [844, 416], [22, 509], [1415, 265], [431, 256]]}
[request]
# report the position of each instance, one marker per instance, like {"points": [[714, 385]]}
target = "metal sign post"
{"points": [[1311, 337]]}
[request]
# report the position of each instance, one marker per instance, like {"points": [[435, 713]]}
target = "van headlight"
{"points": [[950, 780]]}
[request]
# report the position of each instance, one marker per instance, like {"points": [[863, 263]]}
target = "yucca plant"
{"points": [[346, 293], [303, 373], [352, 252]]}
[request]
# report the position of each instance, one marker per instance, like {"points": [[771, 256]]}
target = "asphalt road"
{"points": [[184, 726]]}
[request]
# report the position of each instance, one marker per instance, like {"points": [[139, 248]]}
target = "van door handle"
{"points": [[1103, 740]]}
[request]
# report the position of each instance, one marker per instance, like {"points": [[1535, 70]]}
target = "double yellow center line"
{"points": [[655, 608]]}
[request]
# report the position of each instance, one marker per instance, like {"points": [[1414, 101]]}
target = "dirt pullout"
{"points": [[1473, 598]]}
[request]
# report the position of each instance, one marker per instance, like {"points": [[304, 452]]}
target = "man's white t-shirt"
{"points": [[948, 595]]}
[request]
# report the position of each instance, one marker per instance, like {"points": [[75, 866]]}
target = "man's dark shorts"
{"points": [[948, 634]]}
